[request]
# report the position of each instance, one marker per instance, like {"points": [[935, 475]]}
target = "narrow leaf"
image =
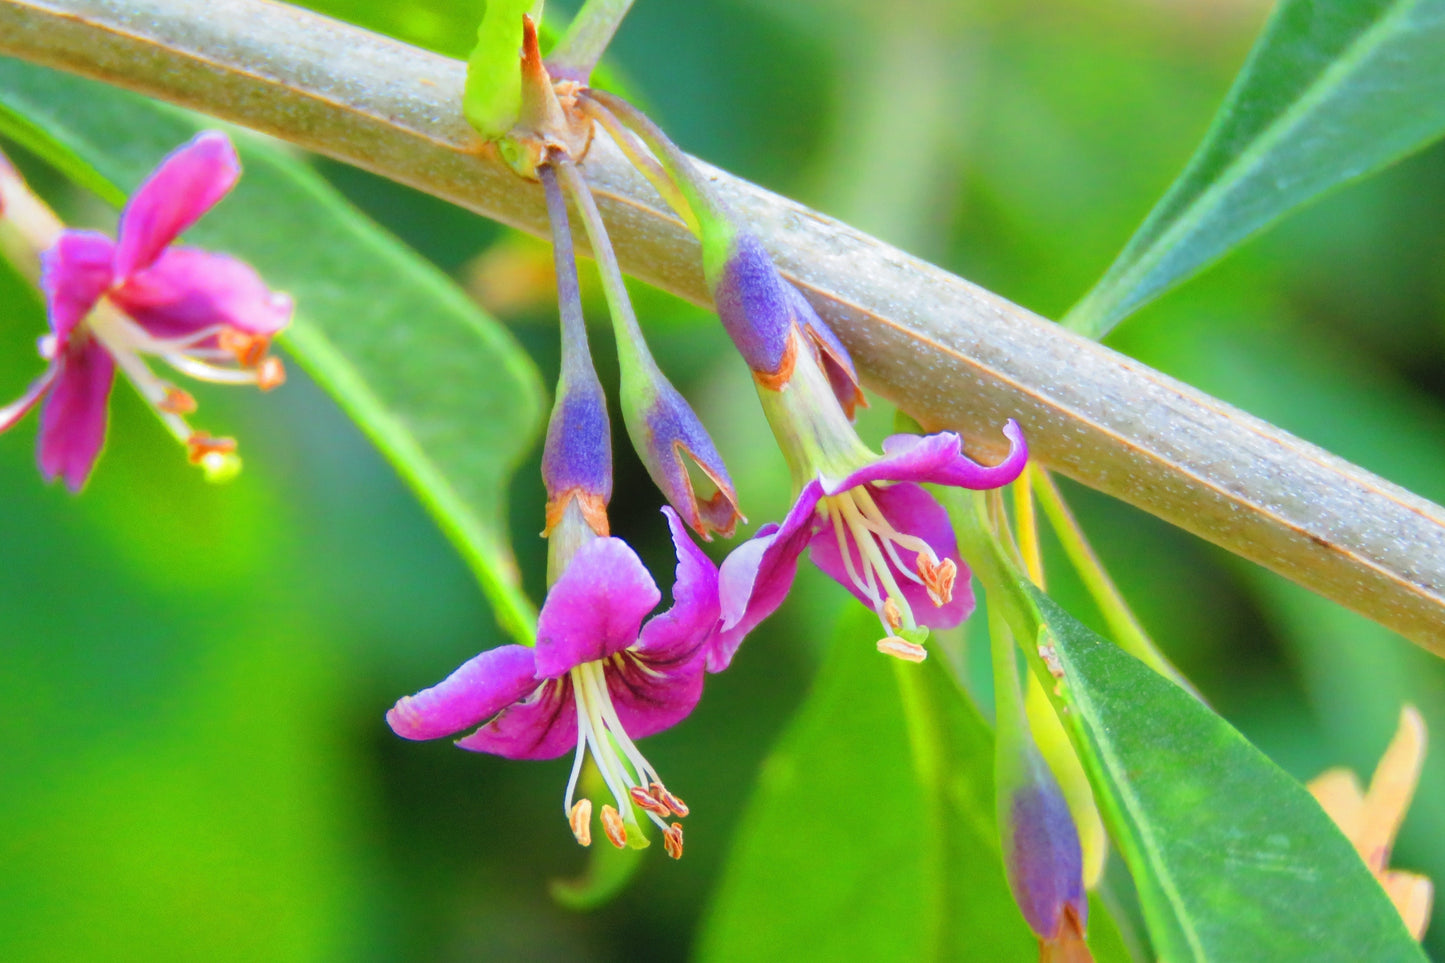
{"points": [[1233, 859], [872, 833], [440, 388], [1333, 89]]}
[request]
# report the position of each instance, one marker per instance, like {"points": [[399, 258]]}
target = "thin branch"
{"points": [[949, 352]]}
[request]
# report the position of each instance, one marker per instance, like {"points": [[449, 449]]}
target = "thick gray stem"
{"points": [[947, 351]]}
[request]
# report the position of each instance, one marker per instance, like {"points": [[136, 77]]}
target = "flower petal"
{"points": [[480, 688], [73, 275], [72, 423], [650, 697], [186, 290], [755, 578], [541, 726], [187, 183], [939, 459], [595, 608], [675, 636], [911, 510]]}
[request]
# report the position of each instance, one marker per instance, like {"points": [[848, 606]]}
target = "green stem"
{"points": [[1124, 626], [639, 157], [587, 36]]}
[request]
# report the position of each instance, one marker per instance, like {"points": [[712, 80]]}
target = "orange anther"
{"points": [[580, 819], [675, 805], [649, 803], [177, 402], [938, 578], [613, 827], [200, 444], [672, 840], [891, 616], [902, 649], [270, 373], [249, 349]]}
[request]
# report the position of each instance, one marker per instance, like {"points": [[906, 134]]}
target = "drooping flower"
{"points": [[110, 303], [597, 680], [864, 517]]}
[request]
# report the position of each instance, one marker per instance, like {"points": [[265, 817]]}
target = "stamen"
{"points": [[200, 445], [938, 578], [672, 840], [891, 616], [177, 402], [248, 349], [270, 374], [652, 804], [673, 803], [580, 819], [902, 649], [613, 827]]}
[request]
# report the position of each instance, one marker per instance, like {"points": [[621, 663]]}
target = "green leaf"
{"points": [[53, 151], [493, 94], [1233, 859], [871, 835], [1334, 89], [439, 387]]}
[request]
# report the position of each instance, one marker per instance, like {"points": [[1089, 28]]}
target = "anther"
{"points": [[891, 616], [249, 349], [177, 402], [580, 819], [675, 805], [902, 649], [612, 825], [200, 445], [938, 578], [650, 803], [672, 840], [270, 373]]}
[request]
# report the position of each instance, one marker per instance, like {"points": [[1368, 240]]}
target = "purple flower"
{"points": [[876, 532], [597, 680], [110, 302]]}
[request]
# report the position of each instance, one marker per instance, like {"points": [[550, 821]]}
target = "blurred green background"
{"points": [[195, 764]]}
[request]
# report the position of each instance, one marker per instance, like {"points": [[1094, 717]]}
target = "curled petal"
{"points": [[73, 275], [910, 509], [595, 608], [755, 577], [480, 688], [186, 290], [72, 423], [674, 637], [541, 726], [939, 459], [187, 183]]}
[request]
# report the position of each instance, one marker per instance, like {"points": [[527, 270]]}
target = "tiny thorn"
{"points": [[580, 819], [902, 649], [613, 826]]}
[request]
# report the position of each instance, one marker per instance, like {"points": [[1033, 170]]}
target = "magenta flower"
{"points": [[878, 534], [111, 302], [597, 680]]}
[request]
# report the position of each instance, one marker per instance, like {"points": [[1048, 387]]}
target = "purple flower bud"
{"points": [[1043, 859], [577, 457], [681, 457]]}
